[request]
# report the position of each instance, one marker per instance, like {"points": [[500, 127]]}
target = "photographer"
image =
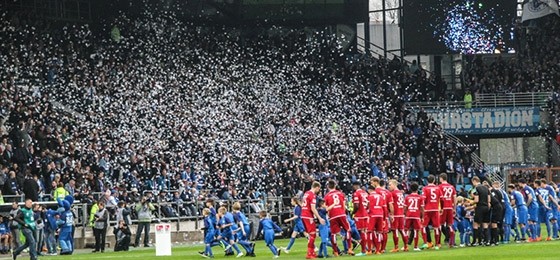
{"points": [[101, 221], [122, 235], [123, 213], [144, 211]]}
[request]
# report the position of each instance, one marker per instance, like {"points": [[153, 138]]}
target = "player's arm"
{"points": [[405, 209], [240, 225], [391, 208], [316, 214], [440, 203], [329, 207], [554, 201], [277, 229], [454, 201], [529, 199], [291, 219], [356, 205]]}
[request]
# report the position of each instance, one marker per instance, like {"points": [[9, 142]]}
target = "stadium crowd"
{"points": [[152, 105], [534, 68]]}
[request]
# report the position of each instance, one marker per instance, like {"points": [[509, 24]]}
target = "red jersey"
{"points": [[360, 197], [387, 197], [398, 203], [413, 203], [376, 204], [308, 201], [335, 197], [448, 194], [432, 197]]}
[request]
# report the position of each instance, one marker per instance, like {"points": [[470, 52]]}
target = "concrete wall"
{"points": [[514, 150], [182, 232]]}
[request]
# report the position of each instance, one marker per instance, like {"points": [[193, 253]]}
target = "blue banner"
{"points": [[495, 120]]}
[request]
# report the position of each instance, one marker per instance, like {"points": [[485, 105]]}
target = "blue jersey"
{"points": [[552, 195], [507, 202], [210, 229], [229, 219], [268, 226], [4, 228], [213, 216], [460, 212], [324, 214], [240, 217], [67, 219], [519, 199], [209, 224], [529, 191], [50, 220], [543, 193], [297, 212]]}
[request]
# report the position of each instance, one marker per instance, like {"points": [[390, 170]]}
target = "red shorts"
{"points": [[412, 223], [376, 224], [309, 225], [398, 223], [431, 217], [447, 217], [361, 223], [339, 223]]}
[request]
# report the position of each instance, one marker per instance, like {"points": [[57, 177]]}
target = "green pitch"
{"points": [[538, 250]]}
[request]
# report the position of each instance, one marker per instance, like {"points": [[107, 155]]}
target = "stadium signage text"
{"points": [[488, 120]]}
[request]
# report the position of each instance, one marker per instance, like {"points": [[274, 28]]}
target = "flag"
{"points": [[533, 9]]}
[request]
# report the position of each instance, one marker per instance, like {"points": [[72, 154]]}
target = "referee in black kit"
{"points": [[481, 196]]}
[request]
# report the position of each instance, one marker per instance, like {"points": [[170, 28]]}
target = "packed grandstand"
{"points": [[149, 103]]}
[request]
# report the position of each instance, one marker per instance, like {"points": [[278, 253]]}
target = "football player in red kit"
{"points": [[361, 216], [397, 226], [448, 197], [308, 214], [388, 210], [376, 218], [413, 211], [334, 201], [432, 208]]}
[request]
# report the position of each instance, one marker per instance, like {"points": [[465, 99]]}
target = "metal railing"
{"points": [[491, 172], [530, 99]]}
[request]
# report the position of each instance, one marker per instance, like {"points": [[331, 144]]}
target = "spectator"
{"points": [[5, 236], [31, 188], [70, 187], [144, 210], [40, 225], [14, 227], [468, 99], [60, 192], [11, 188]]}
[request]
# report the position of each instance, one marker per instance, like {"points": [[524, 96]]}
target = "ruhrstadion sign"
{"points": [[463, 121]]}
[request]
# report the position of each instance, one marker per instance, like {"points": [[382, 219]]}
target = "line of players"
{"points": [[490, 214], [375, 213], [532, 207]]}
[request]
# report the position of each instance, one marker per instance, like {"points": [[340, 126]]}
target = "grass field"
{"points": [[539, 250]]}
